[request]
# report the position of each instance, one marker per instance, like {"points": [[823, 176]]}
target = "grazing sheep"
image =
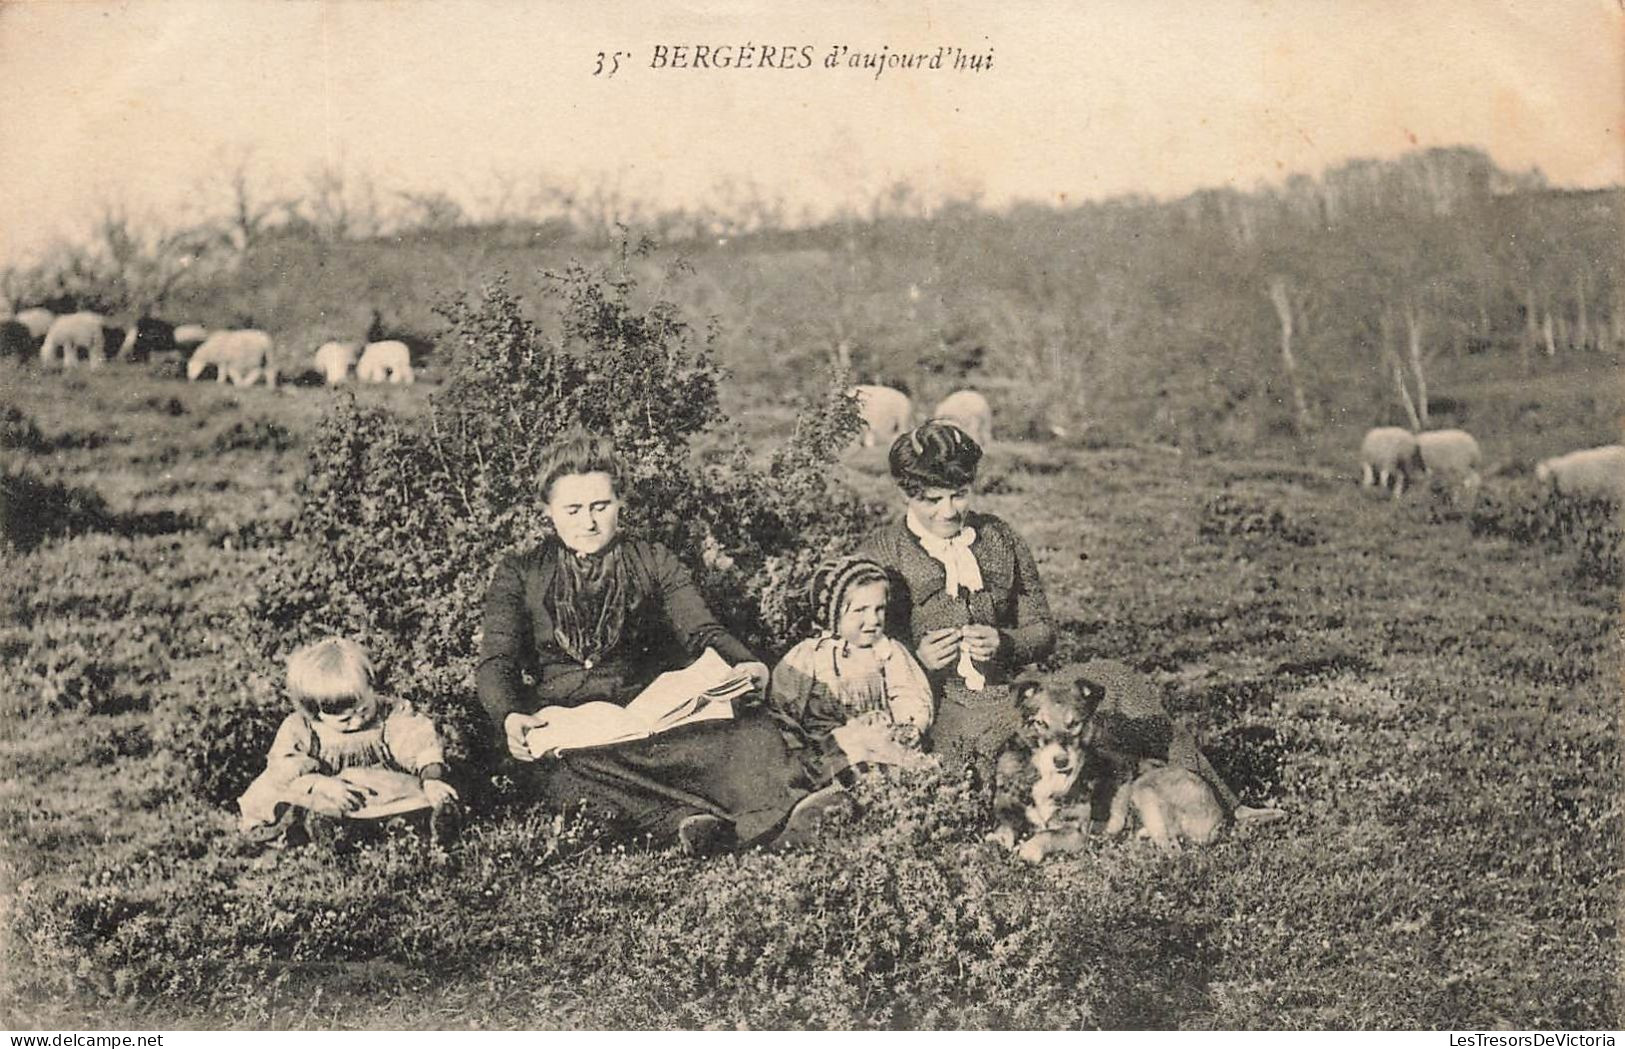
{"points": [[1592, 473], [38, 320], [71, 333], [969, 411], [241, 355], [389, 360], [1387, 452], [335, 359], [1451, 455], [16, 341], [886, 413], [190, 336]]}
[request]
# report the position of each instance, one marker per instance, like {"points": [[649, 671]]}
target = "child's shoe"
{"points": [[808, 818]]}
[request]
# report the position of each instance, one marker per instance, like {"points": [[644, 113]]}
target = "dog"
{"points": [[1170, 805], [1041, 793]]}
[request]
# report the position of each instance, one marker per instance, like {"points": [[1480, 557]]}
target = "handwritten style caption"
{"points": [[793, 57]]}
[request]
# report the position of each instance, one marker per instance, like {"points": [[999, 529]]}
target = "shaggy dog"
{"points": [[1040, 791], [1100, 747]]}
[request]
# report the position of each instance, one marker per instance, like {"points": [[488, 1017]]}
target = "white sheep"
{"points": [[1387, 453], [38, 320], [886, 413], [389, 360], [335, 359], [72, 333], [1592, 473], [969, 411], [190, 336], [242, 356], [1451, 455]]}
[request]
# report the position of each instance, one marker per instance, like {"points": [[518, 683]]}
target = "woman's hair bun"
{"points": [[934, 455]]}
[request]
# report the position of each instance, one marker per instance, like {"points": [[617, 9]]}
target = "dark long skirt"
{"points": [[738, 770], [972, 727]]}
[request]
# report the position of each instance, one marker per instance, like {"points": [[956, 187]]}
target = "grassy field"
{"points": [[1437, 711]]}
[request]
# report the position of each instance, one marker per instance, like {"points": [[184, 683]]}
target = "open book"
{"points": [[702, 691]]}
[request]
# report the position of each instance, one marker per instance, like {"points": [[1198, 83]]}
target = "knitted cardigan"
{"points": [[1011, 599]]}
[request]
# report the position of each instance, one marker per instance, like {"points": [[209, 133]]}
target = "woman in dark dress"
{"points": [[965, 593], [595, 615]]}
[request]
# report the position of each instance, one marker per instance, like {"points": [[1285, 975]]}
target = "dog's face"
{"points": [[1055, 726]]}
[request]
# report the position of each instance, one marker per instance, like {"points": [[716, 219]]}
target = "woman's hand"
{"points": [[758, 674], [515, 726], [980, 640], [939, 648]]}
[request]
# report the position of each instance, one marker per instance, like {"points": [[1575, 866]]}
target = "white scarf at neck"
{"points": [[962, 571], [958, 563]]}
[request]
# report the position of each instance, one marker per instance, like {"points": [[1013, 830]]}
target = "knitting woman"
{"points": [[965, 594]]}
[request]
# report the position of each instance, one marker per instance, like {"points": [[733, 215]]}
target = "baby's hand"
{"points": [[439, 792], [331, 796]]}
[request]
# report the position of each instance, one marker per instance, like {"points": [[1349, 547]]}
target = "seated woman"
{"points": [[965, 594], [595, 615]]}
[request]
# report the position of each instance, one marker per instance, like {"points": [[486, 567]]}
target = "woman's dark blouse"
{"points": [[1011, 599], [667, 626]]}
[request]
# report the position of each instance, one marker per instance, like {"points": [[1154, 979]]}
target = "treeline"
{"points": [[1219, 317]]}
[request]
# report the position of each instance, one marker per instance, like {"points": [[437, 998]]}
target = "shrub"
{"points": [[19, 430], [33, 509], [402, 519], [1229, 515], [1590, 528], [257, 434]]}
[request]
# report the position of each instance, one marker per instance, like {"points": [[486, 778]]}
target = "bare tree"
{"points": [[1396, 368], [431, 210], [1280, 295], [249, 215], [1413, 334], [340, 207], [133, 264]]}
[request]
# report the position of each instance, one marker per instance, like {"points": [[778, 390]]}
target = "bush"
{"points": [[402, 519], [1229, 515], [1590, 528], [19, 430], [33, 509], [257, 435]]}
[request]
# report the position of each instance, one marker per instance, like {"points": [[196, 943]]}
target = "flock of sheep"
{"points": [[1390, 455], [887, 413], [242, 355]]}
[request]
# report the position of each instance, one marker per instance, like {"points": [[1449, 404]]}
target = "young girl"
{"points": [[851, 694], [345, 751]]}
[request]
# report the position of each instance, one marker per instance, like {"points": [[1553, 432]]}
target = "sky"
{"points": [[147, 104]]}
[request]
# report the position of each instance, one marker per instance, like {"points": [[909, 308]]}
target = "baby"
{"points": [[851, 694], [345, 751]]}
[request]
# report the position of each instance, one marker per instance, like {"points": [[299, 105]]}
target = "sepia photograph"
{"points": [[715, 515]]}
